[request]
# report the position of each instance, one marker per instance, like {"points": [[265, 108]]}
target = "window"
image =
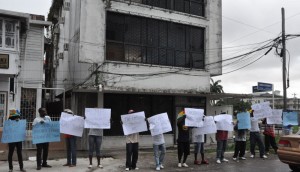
{"points": [[3, 104], [7, 34], [28, 104], [143, 40], [195, 7]]}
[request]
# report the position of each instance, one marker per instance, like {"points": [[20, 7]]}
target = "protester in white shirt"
{"points": [[159, 149]]}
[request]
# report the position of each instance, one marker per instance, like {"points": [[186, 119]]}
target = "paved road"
{"points": [[146, 163]]}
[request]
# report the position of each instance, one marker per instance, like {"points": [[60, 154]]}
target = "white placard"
{"points": [[224, 122], [262, 110], [209, 126], [97, 118], [134, 123], [159, 124], [276, 117], [71, 124], [194, 117]]}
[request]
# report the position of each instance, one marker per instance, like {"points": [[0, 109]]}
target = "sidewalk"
{"points": [[114, 161]]}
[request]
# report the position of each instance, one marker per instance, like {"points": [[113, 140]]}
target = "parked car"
{"points": [[289, 151]]}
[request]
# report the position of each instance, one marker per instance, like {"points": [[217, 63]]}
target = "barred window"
{"points": [[195, 7], [153, 41], [7, 34]]}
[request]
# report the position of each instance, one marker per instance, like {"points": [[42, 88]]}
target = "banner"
{"points": [[262, 110], [209, 126], [46, 132], [290, 118], [224, 122], [194, 117], [134, 123], [159, 124], [71, 124], [244, 120], [276, 117], [97, 118], [14, 131]]}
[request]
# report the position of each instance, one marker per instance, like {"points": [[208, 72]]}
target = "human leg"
{"points": [[162, 149], [39, 155], [68, 145], [45, 147], [252, 143], [19, 153], [135, 155], [242, 149], [128, 155], [156, 155], [73, 150], [11, 149]]}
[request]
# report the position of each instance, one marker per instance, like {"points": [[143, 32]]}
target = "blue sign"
{"points": [[14, 131], [244, 120], [261, 87], [46, 132], [290, 118]]}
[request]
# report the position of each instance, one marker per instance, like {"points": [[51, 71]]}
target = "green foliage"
{"points": [[215, 87], [241, 106]]}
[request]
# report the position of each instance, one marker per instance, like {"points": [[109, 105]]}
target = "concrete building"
{"points": [[154, 56], [21, 63]]}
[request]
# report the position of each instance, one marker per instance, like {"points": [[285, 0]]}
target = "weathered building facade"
{"points": [[21, 63], [154, 56]]}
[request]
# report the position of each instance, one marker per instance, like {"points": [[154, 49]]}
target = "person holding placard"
{"points": [[221, 138], [269, 137], [240, 143], [132, 149], [199, 147], [95, 141], [183, 140], [71, 146], [159, 149], [15, 115], [42, 118], [255, 137]]}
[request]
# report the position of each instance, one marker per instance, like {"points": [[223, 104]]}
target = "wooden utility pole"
{"points": [[283, 58]]}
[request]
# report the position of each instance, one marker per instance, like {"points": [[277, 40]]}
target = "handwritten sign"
{"points": [[276, 117], [209, 126], [244, 120], [224, 122], [290, 118], [97, 118], [46, 132], [134, 123], [14, 131], [262, 110], [71, 124], [194, 117], [159, 124]]}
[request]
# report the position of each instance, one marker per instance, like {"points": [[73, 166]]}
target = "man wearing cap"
{"points": [[71, 146], [42, 146], [15, 115], [132, 149]]}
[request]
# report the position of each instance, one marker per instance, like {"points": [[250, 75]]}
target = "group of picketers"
{"points": [[159, 148]]}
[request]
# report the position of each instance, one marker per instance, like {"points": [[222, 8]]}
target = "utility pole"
{"points": [[283, 58]]}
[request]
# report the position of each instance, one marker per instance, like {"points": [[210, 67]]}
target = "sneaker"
{"points": [[67, 164], [157, 169], [234, 158], [90, 166], [225, 160], [197, 162], [242, 158], [218, 161], [204, 162], [22, 170], [46, 166], [185, 165], [252, 156], [126, 169], [179, 165], [264, 157], [100, 166], [136, 168], [161, 166], [38, 168], [267, 153], [72, 165], [10, 170]]}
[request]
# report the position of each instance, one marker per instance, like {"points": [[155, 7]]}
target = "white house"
{"points": [[153, 56], [21, 63]]}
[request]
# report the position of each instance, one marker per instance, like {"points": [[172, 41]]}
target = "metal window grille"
{"points": [[2, 107], [28, 104]]}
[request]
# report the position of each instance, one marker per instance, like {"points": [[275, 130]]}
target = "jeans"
{"points": [[240, 149], [71, 150], [270, 140], [132, 153], [42, 147], [221, 147], [255, 137], [159, 154], [11, 150], [94, 144]]}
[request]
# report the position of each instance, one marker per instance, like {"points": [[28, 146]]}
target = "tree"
{"points": [[215, 87]]}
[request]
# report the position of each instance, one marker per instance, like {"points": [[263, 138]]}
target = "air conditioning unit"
{"points": [[66, 47], [67, 6], [60, 56], [61, 20]]}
